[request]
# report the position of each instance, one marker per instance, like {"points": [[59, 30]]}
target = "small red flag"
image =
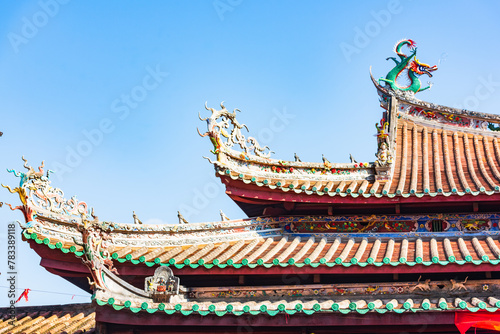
{"points": [[24, 294]]}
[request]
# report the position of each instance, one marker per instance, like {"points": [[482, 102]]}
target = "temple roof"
{"points": [[72, 318], [425, 152], [426, 206]]}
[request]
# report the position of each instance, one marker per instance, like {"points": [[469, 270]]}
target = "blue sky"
{"points": [[132, 77]]}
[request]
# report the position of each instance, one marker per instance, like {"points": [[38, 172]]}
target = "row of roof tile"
{"points": [[370, 304], [314, 251], [76, 318]]}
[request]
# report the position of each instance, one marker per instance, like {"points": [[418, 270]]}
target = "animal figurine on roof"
{"points": [[136, 220], [182, 220], [326, 162], [409, 64], [223, 216], [422, 286], [458, 285], [297, 159]]}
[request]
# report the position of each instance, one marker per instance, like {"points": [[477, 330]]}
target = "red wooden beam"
{"points": [[259, 195], [424, 320]]}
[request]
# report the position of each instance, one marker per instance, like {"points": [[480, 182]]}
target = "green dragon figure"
{"points": [[414, 68]]}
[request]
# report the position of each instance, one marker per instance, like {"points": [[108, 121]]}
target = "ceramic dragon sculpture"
{"points": [[413, 67]]}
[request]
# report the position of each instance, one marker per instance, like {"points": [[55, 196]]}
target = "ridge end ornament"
{"points": [[411, 67]]}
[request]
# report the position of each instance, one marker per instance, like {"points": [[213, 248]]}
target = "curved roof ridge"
{"points": [[412, 100]]}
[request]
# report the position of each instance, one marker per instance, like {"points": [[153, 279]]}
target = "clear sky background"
{"points": [[298, 70]]}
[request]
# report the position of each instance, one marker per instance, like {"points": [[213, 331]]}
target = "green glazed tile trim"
{"points": [[263, 309], [118, 307], [100, 302]]}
